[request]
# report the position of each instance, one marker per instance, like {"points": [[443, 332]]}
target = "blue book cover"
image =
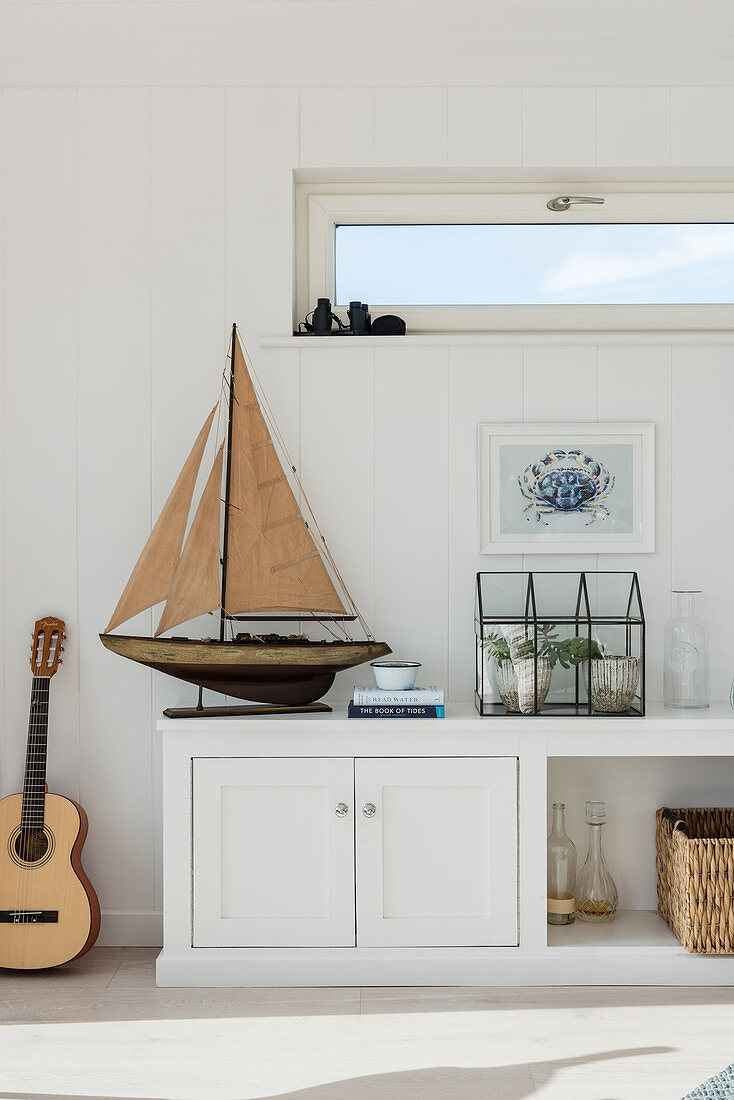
{"points": [[356, 711]]}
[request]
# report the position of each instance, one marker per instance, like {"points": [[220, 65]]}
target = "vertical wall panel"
{"points": [[485, 126], [702, 521], [633, 126], [410, 127], [699, 120], [189, 327], [40, 435], [485, 384], [337, 467], [114, 486], [337, 127], [635, 384], [559, 384], [189, 331], [261, 139], [559, 127], [411, 505], [261, 151]]}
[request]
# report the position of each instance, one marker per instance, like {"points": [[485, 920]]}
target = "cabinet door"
{"points": [[273, 853], [437, 856]]}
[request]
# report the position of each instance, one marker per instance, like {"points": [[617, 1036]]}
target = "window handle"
{"points": [[564, 202]]}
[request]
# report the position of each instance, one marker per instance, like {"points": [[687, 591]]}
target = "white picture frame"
{"points": [[599, 500]]}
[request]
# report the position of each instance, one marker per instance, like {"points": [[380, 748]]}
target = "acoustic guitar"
{"points": [[49, 911]]}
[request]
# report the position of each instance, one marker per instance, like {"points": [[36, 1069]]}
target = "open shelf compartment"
{"points": [[633, 788]]}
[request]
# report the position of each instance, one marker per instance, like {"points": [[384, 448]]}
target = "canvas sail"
{"points": [[195, 589], [151, 579], [272, 560]]}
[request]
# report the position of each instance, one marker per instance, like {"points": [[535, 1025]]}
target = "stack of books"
{"points": [[373, 702]]}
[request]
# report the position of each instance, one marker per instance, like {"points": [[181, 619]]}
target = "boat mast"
{"points": [[228, 478]]}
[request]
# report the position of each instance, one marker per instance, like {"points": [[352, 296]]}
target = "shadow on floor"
{"points": [[511, 1082]]}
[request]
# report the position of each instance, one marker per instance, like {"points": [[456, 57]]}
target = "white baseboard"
{"points": [[131, 928]]}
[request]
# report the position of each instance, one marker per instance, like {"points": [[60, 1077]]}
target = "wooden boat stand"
{"points": [[252, 710]]}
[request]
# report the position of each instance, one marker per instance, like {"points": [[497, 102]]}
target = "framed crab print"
{"points": [[566, 488]]}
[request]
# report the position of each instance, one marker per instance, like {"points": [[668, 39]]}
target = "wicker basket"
{"points": [[695, 865]]}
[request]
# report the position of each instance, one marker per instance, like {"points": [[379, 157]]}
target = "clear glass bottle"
{"points": [[561, 873], [596, 895], [686, 664]]}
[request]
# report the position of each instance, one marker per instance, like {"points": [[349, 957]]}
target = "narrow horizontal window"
{"points": [[636, 263]]}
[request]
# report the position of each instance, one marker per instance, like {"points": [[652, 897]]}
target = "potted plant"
{"points": [[611, 680], [498, 651], [534, 670]]}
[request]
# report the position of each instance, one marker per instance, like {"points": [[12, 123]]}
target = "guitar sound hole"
{"points": [[31, 847]]}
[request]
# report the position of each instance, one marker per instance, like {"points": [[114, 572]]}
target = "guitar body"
{"points": [[53, 885]]}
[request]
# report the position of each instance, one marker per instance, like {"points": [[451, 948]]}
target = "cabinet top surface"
{"points": [[661, 732]]}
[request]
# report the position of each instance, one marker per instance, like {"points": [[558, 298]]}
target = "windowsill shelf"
{"points": [[503, 337]]}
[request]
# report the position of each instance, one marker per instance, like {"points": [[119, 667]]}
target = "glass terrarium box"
{"points": [[559, 644]]}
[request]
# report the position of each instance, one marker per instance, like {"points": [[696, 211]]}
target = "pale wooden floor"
{"points": [[100, 1028]]}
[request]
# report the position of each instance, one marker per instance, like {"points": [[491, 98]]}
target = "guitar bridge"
{"points": [[29, 916]]}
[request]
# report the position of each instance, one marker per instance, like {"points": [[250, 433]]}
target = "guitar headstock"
{"points": [[46, 649]]}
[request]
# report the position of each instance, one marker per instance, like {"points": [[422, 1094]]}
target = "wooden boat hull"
{"points": [[292, 675]]}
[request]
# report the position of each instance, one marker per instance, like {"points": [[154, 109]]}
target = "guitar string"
{"points": [[22, 884], [33, 801], [37, 770], [35, 749], [21, 894], [36, 792]]}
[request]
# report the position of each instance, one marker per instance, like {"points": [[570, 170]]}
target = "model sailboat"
{"points": [[260, 557]]}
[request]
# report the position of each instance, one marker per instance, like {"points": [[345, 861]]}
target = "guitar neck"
{"points": [[34, 783]]}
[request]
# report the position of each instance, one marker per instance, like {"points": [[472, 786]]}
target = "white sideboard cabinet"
{"points": [[315, 850], [274, 844]]}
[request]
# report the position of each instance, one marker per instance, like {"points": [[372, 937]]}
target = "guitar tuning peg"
{"points": [[61, 660], [63, 637]]}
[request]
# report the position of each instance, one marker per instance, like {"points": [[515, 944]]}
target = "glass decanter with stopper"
{"points": [[686, 664], [596, 894], [561, 873]]}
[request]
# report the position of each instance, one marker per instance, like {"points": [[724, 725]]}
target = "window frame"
{"points": [[320, 208]]}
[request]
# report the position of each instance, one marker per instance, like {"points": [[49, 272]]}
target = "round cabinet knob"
{"points": [[341, 809], [369, 809]]}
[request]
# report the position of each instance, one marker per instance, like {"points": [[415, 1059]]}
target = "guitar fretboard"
{"points": [[34, 783]]}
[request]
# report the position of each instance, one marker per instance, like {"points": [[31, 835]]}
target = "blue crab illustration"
{"points": [[566, 481]]}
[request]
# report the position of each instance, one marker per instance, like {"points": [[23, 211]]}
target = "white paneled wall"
{"points": [[147, 203]]}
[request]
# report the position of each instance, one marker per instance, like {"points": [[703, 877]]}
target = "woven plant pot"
{"points": [[695, 865], [506, 678], [614, 683], [519, 637], [526, 674]]}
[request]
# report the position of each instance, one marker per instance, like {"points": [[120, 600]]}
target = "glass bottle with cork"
{"points": [[561, 871]]}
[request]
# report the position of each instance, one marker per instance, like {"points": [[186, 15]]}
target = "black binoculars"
{"points": [[322, 322], [360, 321]]}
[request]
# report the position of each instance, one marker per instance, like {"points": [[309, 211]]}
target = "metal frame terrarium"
{"points": [[559, 643]]}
